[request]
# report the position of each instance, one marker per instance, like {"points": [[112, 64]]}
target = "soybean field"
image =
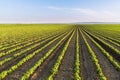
{"points": [[59, 52]]}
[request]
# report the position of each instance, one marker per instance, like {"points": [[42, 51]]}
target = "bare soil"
{"points": [[88, 69], [111, 52], [17, 74], [66, 69], [45, 69], [108, 69]]}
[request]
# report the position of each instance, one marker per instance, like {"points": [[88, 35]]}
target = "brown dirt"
{"points": [[17, 74], [44, 70], [15, 61], [66, 69], [88, 69], [19, 50], [110, 72], [111, 52], [107, 41]]}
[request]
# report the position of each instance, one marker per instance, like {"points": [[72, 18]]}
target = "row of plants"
{"points": [[113, 39], [20, 33], [28, 44], [4, 73], [77, 59], [103, 34], [94, 59], [107, 39], [107, 30], [106, 44], [41, 60], [107, 34], [109, 57], [21, 44], [29, 48], [56, 66], [12, 45]]}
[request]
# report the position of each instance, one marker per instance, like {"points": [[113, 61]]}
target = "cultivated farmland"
{"points": [[59, 52]]}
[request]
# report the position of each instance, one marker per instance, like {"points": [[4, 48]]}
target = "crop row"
{"points": [[28, 44], [111, 32], [41, 60], [107, 39], [115, 40], [56, 66], [25, 59], [106, 44], [77, 59], [94, 59], [27, 33], [110, 58], [7, 46], [26, 50], [19, 43]]}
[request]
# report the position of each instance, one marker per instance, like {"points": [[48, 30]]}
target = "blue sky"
{"points": [[59, 11]]}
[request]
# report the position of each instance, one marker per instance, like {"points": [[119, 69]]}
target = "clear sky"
{"points": [[59, 11]]}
